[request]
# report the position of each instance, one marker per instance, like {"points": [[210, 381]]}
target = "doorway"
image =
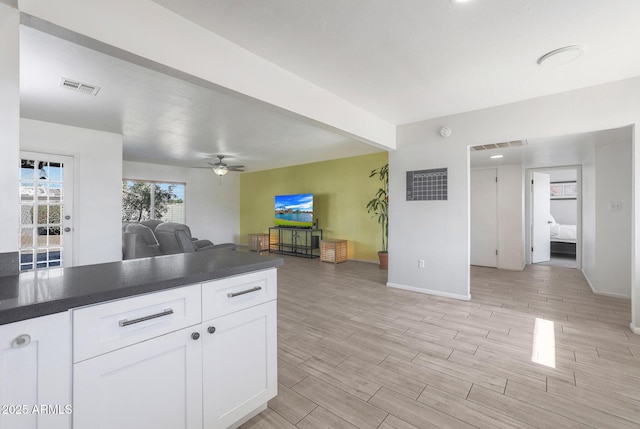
{"points": [[45, 211], [554, 216]]}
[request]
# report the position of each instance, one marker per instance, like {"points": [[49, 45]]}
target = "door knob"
{"points": [[21, 341], [195, 335], [211, 329], [67, 229]]}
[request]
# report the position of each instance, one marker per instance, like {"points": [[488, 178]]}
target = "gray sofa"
{"points": [[154, 238], [176, 237], [138, 241]]}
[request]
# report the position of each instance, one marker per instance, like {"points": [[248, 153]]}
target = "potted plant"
{"points": [[379, 208]]}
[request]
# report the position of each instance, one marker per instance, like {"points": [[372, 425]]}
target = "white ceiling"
{"points": [[403, 61], [571, 149], [411, 60], [163, 119]]}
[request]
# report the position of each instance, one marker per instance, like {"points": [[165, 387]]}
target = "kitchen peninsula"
{"points": [[177, 341]]}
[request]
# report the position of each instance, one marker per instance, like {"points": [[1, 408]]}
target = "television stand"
{"points": [[301, 242]]}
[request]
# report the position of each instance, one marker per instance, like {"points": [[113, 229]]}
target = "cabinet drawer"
{"points": [[105, 327], [225, 296]]}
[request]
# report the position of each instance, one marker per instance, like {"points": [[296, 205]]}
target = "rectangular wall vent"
{"points": [[515, 143], [84, 88]]}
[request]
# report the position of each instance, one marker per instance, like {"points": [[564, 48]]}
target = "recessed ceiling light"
{"points": [[561, 55], [496, 156]]}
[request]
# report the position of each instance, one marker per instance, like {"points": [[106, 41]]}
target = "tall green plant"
{"points": [[379, 205]]}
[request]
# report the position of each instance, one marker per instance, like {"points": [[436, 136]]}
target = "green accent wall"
{"points": [[341, 189]]}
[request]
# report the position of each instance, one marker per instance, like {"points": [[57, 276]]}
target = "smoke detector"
{"points": [[561, 56], [83, 88]]}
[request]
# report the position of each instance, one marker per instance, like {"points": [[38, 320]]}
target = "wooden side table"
{"points": [[258, 242], [333, 251]]}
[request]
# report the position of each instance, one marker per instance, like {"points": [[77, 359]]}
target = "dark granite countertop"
{"points": [[39, 293]]}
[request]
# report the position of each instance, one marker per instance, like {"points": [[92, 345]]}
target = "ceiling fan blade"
{"points": [[235, 169], [208, 168], [235, 166]]}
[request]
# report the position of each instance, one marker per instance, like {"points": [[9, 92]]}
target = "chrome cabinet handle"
{"points": [[211, 329], [234, 294], [195, 336], [126, 322]]}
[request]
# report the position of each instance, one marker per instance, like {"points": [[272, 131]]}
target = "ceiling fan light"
{"points": [[220, 170]]}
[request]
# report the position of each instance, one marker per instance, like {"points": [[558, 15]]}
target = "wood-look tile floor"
{"points": [[353, 353]]}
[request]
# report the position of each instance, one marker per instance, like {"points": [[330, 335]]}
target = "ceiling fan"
{"points": [[221, 168]]}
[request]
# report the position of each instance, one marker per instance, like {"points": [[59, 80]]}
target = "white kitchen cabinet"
{"points": [[150, 361], [239, 364], [35, 373], [153, 384]]}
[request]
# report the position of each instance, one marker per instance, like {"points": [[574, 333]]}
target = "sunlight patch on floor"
{"points": [[544, 343]]}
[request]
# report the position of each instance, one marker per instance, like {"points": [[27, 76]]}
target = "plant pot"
{"points": [[384, 260]]}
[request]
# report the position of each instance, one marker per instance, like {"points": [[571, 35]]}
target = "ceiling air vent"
{"points": [[515, 143], [84, 88]]}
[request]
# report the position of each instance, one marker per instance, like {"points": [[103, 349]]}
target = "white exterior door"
{"points": [[540, 224], [35, 371], [484, 218], [152, 384], [239, 364], [46, 210]]}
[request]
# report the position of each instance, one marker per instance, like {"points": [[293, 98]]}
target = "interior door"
{"points": [[540, 224], [484, 218], [46, 183]]}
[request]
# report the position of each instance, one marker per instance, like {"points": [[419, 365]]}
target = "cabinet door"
{"points": [[239, 364], [35, 373], [152, 384]]}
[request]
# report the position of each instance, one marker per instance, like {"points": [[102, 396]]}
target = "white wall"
{"points": [[97, 184], [9, 128], [613, 227], [511, 217], [438, 231], [565, 212], [212, 209], [567, 175]]}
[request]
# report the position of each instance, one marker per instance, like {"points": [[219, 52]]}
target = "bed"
{"points": [[563, 238]]}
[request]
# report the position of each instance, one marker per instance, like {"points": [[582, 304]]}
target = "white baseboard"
{"points": [[430, 291], [634, 329], [586, 277], [597, 292]]}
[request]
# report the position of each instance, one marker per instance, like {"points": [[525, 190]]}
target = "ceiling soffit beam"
{"points": [[147, 34]]}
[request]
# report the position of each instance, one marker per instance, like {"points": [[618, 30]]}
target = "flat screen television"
{"points": [[294, 211]]}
